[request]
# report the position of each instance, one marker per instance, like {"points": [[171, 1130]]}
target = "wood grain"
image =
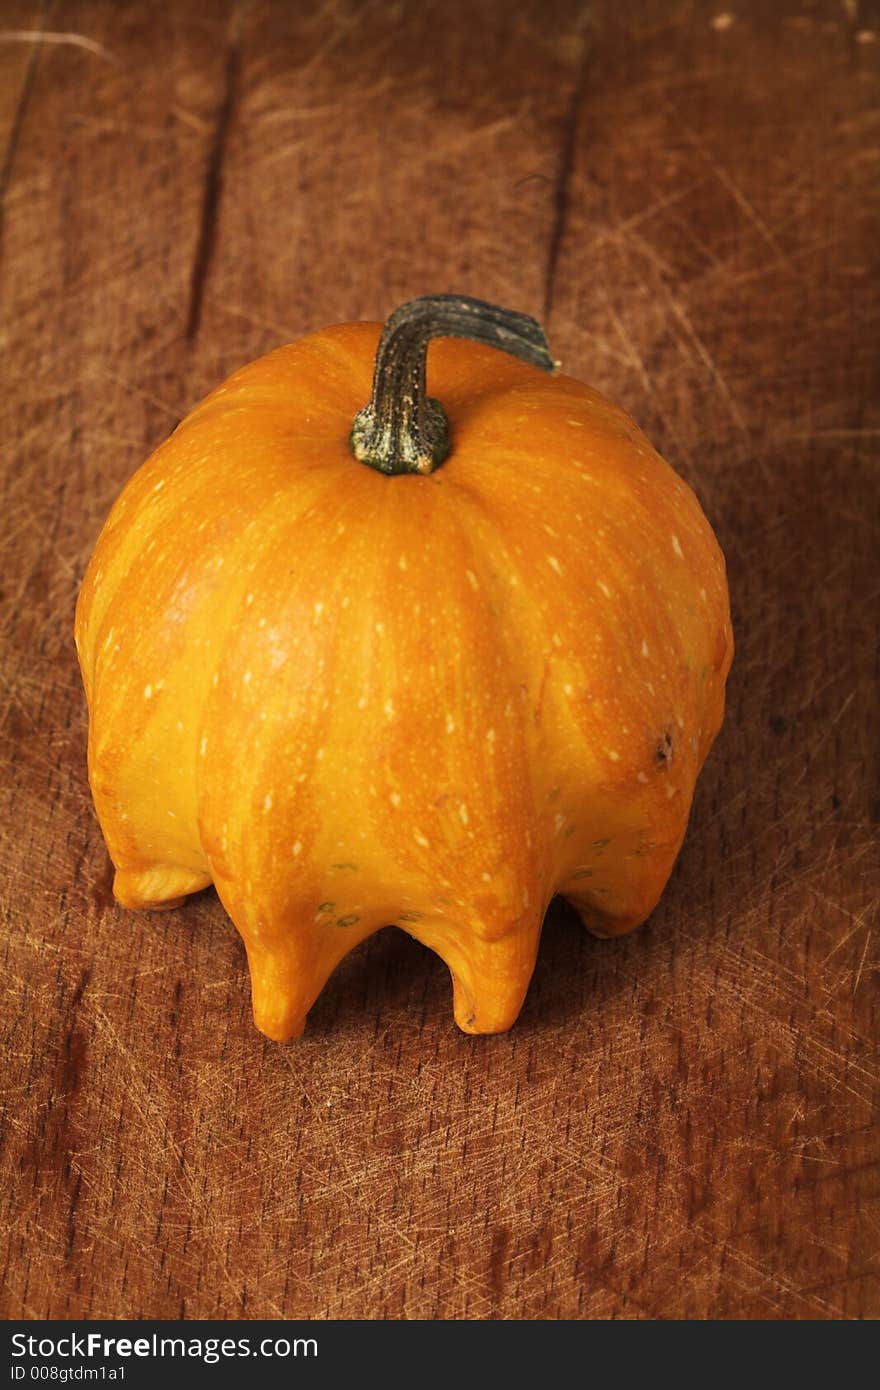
{"points": [[682, 1123]]}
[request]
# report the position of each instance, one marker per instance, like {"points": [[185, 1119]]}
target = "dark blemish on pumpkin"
{"points": [[568, 831], [326, 907], [664, 750], [409, 917], [600, 844], [582, 873], [352, 868], [778, 724], [835, 802], [553, 793], [470, 1020], [348, 921]]}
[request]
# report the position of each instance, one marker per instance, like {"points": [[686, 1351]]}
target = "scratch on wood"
{"points": [[862, 963], [18, 116], [40, 36]]}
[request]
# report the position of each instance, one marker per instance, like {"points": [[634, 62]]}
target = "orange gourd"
{"points": [[428, 671]]}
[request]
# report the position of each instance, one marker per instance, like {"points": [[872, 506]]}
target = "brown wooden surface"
{"points": [[682, 1123]]}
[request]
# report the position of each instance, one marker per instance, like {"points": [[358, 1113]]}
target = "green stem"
{"points": [[402, 429]]}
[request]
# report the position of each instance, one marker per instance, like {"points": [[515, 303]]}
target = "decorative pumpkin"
{"points": [[428, 670]]}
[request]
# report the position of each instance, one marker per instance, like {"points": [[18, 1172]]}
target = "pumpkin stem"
{"points": [[402, 429]]}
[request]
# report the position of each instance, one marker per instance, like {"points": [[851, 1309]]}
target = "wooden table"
{"points": [[683, 1122]]}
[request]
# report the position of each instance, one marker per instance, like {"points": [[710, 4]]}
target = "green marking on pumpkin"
{"points": [[348, 921], [409, 917], [352, 868], [326, 907]]}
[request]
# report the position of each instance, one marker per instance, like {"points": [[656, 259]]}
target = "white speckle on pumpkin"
{"points": [[472, 579], [554, 564], [261, 623], [645, 651], [247, 677], [558, 823], [402, 562], [379, 629], [346, 600], [159, 486], [568, 688], [389, 708], [302, 776], [319, 609], [362, 702], [640, 777], [490, 735], [215, 678], [550, 531], [649, 685], [319, 756], [703, 595], [180, 726], [577, 424], [203, 746], [604, 587], [267, 802], [297, 849], [249, 600], [420, 839], [463, 814], [676, 546], [148, 692], [172, 815], [525, 897], [394, 798], [487, 878], [556, 640], [450, 724], [615, 757]]}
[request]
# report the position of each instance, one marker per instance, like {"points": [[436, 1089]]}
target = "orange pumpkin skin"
{"points": [[350, 700]]}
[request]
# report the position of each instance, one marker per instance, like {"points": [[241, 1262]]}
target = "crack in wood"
{"points": [[207, 238], [567, 152]]}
